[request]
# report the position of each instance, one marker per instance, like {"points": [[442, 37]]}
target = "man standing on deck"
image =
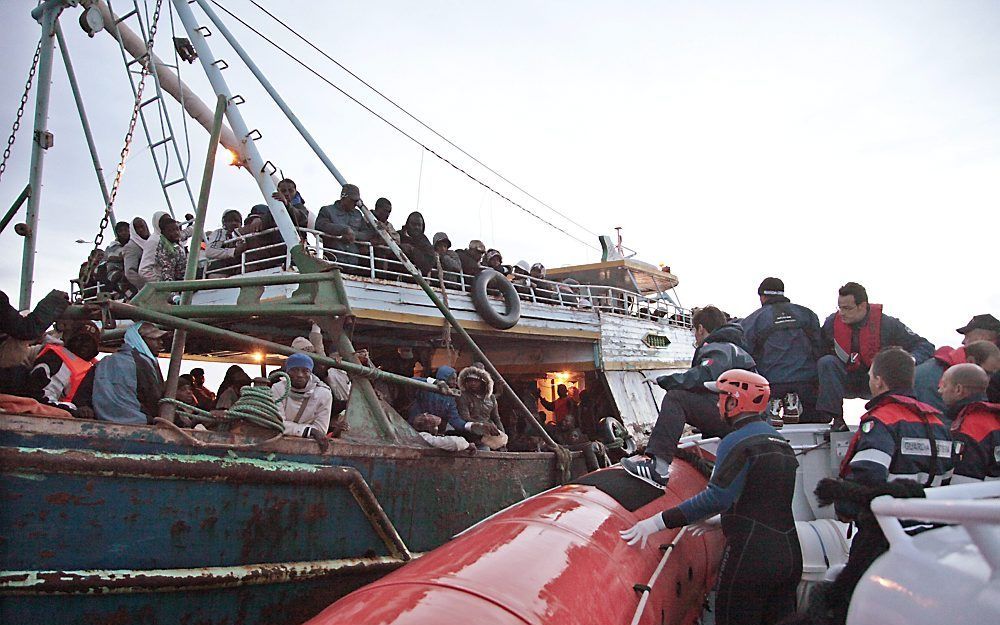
{"points": [[344, 220], [720, 347], [784, 340], [752, 486], [853, 336]]}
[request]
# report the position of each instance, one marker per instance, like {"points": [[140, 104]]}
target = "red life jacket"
{"points": [[78, 368], [977, 420], [869, 339], [892, 410], [949, 356]]}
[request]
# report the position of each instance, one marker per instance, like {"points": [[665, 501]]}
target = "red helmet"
{"points": [[740, 392]]}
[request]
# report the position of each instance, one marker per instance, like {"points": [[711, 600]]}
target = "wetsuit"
{"points": [[752, 486]]}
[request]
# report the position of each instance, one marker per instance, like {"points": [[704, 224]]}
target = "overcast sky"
{"points": [[820, 142]]}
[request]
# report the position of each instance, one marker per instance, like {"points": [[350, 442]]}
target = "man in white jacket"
{"points": [[306, 409]]}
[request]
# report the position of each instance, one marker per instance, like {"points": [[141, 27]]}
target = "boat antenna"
{"points": [[403, 132]]}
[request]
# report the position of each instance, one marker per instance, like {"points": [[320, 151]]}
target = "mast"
{"points": [[249, 156], [46, 14]]}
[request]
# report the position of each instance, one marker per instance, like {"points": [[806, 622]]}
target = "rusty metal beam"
{"points": [[125, 581]]}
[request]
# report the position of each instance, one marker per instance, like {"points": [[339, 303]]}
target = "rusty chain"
{"points": [[20, 109], [99, 237]]}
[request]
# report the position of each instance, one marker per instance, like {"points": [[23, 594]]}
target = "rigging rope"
{"points": [[398, 129], [256, 405], [20, 109], [99, 238], [416, 119]]}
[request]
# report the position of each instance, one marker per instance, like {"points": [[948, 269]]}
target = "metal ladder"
{"points": [[159, 137]]}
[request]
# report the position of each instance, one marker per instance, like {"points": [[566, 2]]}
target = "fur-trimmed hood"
{"points": [[476, 372]]}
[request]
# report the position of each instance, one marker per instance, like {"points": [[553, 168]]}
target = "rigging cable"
{"points": [[398, 129], [416, 119]]}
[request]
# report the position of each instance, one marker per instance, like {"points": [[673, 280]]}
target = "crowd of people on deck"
{"points": [[149, 252]]}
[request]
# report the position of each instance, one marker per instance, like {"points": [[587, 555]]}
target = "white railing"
{"points": [[378, 263]]}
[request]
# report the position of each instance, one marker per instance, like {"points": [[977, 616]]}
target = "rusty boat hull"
{"points": [[106, 523]]}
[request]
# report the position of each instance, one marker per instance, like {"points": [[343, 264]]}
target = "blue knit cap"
{"points": [[444, 372], [299, 360]]}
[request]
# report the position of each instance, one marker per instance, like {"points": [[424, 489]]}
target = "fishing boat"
{"points": [[104, 522]]}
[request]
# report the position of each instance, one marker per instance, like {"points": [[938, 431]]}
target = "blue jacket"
{"points": [[127, 387], [925, 383], [893, 333], [784, 340], [439, 405], [898, 438]]}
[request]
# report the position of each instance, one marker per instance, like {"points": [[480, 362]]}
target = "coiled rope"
{"points": [[256, 405]]}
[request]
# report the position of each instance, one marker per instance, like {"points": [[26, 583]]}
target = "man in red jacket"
{"points": [[975, 423]]}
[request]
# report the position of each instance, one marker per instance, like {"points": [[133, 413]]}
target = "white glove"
{"points": [[710, 524], [641, 531]]}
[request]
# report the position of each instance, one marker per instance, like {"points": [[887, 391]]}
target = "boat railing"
{"points": [[265, 250]]}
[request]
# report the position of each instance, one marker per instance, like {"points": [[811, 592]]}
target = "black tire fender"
{"points": [[481, 300]]}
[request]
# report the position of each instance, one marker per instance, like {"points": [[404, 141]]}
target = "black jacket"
{"points": [[722, 350], [34, 325]]}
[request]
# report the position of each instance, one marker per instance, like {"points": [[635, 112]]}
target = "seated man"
{"points": [[345, 225], [132, 252], [784, 340], [494, 260], [337, 379], [477, 404], [975, 423], [471, 257], [720, 348], [266, 247], [224, 246], [128, 384], [306, 408], [852, 336], [205, 397], [446, 407], [981, 328], [60, 369]]}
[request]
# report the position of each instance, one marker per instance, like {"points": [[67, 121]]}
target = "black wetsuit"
{"points": [[752, 486]]}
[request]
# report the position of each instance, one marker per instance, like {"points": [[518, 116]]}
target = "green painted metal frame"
{"points": [[16, 206]]}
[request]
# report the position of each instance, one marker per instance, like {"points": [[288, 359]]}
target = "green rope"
{"points": [[256, 404]]}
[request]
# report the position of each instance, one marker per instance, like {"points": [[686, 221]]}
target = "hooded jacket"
{"points": [[317, 400], [147, 263], [415, 243], [784, 340], [481, 408], [722, 350]]}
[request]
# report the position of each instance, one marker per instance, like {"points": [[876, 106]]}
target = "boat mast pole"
{"points": [[246, 149], [271, 91], [46, 14], [75, 88], [529, 415], [167, 409]]}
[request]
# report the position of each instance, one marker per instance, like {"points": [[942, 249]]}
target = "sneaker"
{"points": [[644, 469], [793, 408], [774, 413], [838, 425]]}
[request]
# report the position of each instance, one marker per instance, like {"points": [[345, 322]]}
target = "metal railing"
{"points": [[362, 260]]}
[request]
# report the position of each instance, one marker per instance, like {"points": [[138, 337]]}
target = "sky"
{"points": [[819, 142]]}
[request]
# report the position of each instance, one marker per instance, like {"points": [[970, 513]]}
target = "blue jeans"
{"points": [[836, 384]]}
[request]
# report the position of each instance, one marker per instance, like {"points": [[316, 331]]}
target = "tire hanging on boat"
{"points": [[481, 300]]}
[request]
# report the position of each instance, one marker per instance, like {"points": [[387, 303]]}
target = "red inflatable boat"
{"points": [[554, 559]]}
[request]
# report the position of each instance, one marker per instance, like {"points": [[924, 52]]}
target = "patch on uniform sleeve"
{"points": [[707, 362], [867, 426], [959, 448], [996, 453]]}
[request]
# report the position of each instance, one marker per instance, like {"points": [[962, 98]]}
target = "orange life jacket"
{"points": [[78, 368]]}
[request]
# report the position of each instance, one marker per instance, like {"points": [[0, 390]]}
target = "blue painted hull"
{"points": [[105, 523]]}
